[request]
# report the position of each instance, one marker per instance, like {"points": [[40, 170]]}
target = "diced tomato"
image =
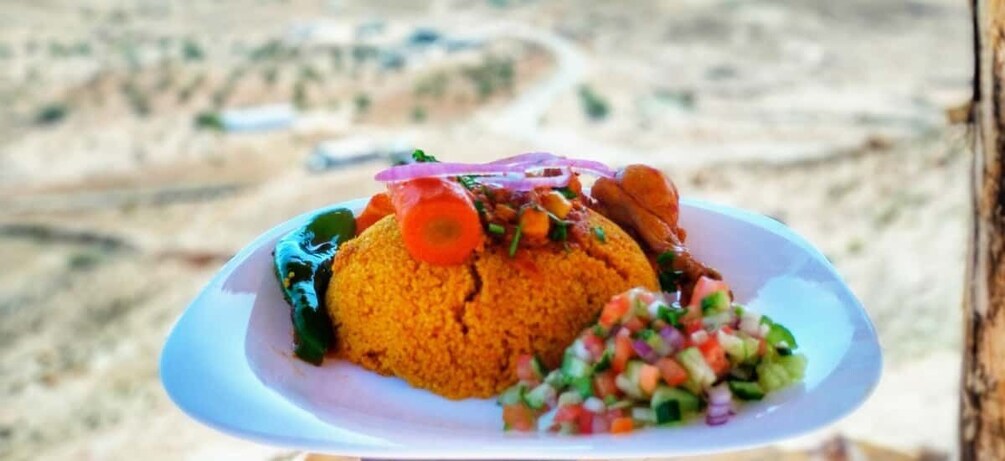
{"points": [[594, 345], [673, 373], [614, 310], [622, 425], [691, 325], [525, 369], [714, 355], [727, 329], [649, 377], [585, 421], [634, 324], [622, 352], [519, 417], [568, 413], [705, 287], [604, 385], [762, 346]]}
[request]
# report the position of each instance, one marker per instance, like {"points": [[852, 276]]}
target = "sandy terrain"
{"points": [[830, 116]]}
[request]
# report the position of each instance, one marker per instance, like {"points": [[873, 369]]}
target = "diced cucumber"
{"points": [[605, 361], [696, 367], [772, 376], [667, 412], [584, 386], [795, 366], [643, 415], [733, 345], [687, 401], [569, 398], [538, 397], [671, 316], [555, 378], [620, 404], [575, 367], [745, 390], [512, 395], [633, 371], [632, 390], [715, 303], [778, 335]]}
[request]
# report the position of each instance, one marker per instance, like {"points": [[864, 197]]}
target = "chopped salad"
{"points": [[648, 361]]}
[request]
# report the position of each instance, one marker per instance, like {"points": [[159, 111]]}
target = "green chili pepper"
{"points": [[303, 265]]}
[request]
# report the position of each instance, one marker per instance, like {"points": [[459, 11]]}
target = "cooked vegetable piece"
{"points": [[379, 206], [535, 223], [302, 262], [438, 221], [556, 204]]}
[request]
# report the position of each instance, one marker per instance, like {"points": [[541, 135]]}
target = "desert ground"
{"points": [[125, 181]]}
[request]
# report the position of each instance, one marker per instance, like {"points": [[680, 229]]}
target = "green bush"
{"points": [[362, 102], [51, 114], [191, 51], [419, 114], [594, 106], [491, 75], [208, 121], [300, 100]]}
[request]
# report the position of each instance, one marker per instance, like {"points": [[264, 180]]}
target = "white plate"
{"points": [[228, 363]]}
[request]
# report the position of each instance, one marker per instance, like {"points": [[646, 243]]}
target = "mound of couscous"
{"points": [[458, 330]]}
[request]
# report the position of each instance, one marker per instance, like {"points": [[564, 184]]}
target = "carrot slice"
{"points": [[378, 207], [622, 425], [438, 220]]}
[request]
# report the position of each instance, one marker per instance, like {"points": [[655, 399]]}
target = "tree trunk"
{"points": [[982, 409]]}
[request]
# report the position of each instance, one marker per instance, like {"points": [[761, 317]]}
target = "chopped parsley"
{"points": [[420, 156], [566, 192], [666, 258], [600, 234]]}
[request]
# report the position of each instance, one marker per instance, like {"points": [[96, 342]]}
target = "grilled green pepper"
{"points": [[303, 266]]}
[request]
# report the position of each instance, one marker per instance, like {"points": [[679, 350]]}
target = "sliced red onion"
{"points": [[720, 395], [673, 337], [528, 157], [426, 170], [645, 352], [717, 421], [718, 411], [548, 160], [528, 183]]}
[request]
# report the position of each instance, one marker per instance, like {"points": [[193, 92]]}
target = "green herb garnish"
{"points": [[666, 258], [670, 279], [516, 240], [601, 235], [566, 192], [496, 229], [421, 156]]}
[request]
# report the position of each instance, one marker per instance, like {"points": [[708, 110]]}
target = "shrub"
{"points": [[362, 102], [208, 121], [191, 51], [594, 106], [418, 114], [51, 114]]}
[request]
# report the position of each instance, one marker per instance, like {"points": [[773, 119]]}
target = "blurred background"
{"points": [[142, 143]]}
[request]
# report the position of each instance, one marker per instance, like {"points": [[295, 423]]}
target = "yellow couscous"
{"points": [[457, 330]]}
